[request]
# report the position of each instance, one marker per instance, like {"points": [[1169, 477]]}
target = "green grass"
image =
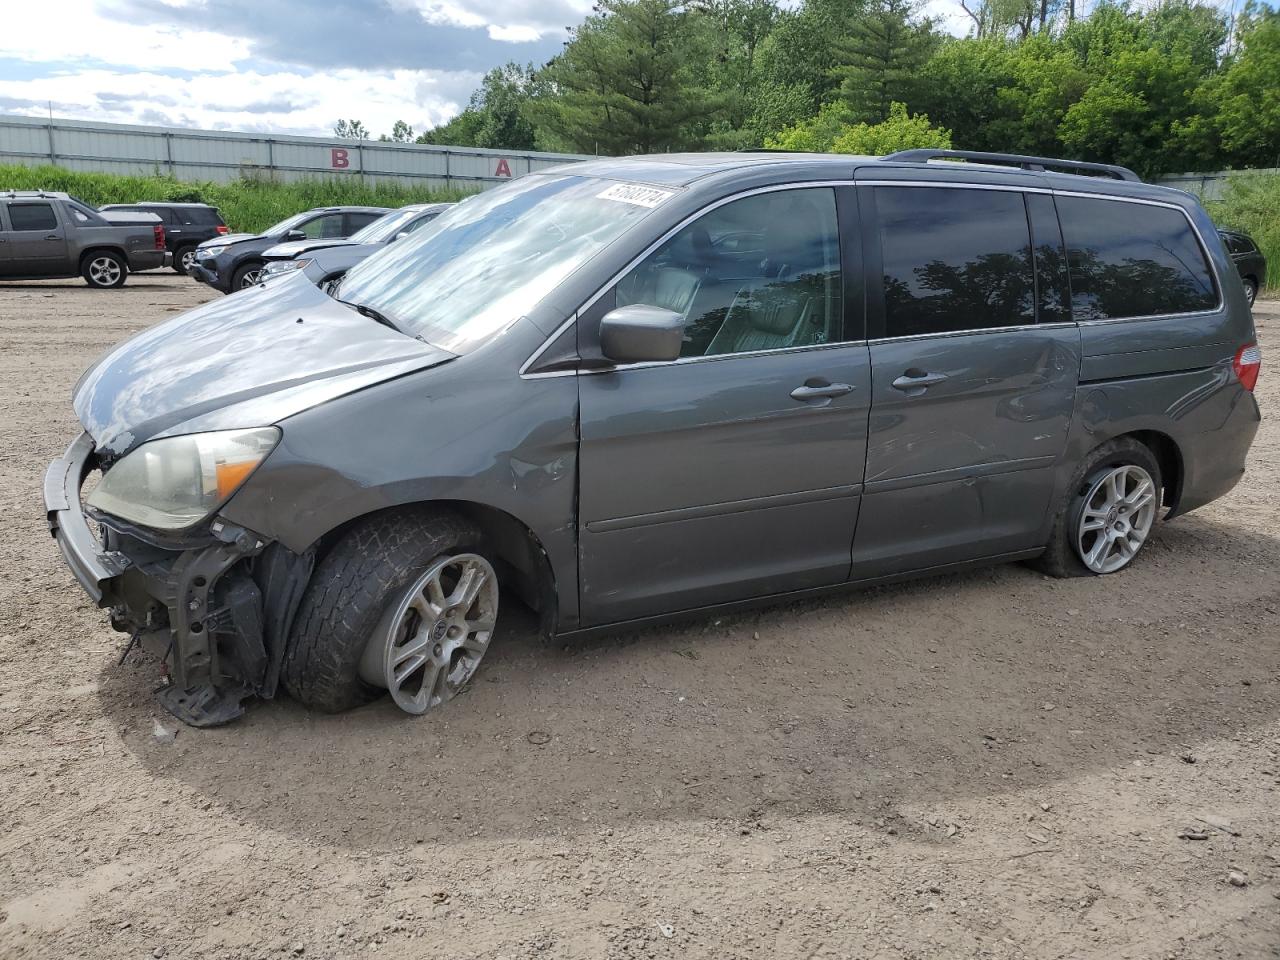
{"points": [[248, 204], [1251, 204]]}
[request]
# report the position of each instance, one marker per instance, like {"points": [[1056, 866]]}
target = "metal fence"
{"points": [[1209, 186], [221, 156]]}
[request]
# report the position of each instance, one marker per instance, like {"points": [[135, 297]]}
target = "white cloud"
{"points": [[284, 102], [77, 31]]}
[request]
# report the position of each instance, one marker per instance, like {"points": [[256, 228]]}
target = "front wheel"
{"points": [[104, 270], [1108, 514], [1250, 290], [246, 276], [405, 602]]}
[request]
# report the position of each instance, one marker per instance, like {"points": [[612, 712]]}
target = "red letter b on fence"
{"points": [[339, 161]]}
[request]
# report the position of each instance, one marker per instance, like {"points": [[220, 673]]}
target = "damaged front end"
{"points": [[215, 603]]}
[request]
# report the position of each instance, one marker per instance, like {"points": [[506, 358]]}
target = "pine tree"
{"points": [[880, 58], [621, 83]]}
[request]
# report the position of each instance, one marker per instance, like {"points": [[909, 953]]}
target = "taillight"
{"points": [[222, 229], [159, 232], [1247, 364]]}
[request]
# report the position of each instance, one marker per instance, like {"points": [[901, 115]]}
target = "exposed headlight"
{"points": [[173, 483], [277, 267], [210, 253]]}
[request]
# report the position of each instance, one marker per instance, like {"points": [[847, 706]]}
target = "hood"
{"points": [[248, 360], [287, 251], [128, 216], [226, 238]]}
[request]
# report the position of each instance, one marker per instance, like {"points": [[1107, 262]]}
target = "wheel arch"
{"points": [[523, 562], [1169, 455], [102, 248]]}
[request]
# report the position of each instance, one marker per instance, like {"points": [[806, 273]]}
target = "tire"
{"points": [[182, 259], [1063, 555], [246, 275], [1250, 290], [104, 269], [352, 588]]}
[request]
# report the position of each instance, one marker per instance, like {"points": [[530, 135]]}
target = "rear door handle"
{"points": [[53, 238], [915, 381], [820, 391]]}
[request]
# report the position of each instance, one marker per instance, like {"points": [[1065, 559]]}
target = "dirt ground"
{"points": [[987, 765]]}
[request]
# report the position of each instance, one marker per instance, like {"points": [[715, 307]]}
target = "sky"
{"points": [[287, 66], [283, 66]]}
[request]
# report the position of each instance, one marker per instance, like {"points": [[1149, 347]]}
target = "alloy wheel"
{"points": [[1116, 519], [250, 278], [433, 637], [104, 271], [187, 260]]}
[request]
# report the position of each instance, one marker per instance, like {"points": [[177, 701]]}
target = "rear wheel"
{"points": [[104, 269], [1108, 513], [1250, 290], [246, 276], [404, 602]]}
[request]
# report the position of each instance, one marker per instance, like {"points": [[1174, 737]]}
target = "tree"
{"points": [[1248, 95], [622, 83], [401, 132], [880, 58], [830, 132], [900, 131], [351, 130]]}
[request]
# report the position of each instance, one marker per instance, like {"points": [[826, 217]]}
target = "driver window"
{"points": [[327, 227], [760, 273]]}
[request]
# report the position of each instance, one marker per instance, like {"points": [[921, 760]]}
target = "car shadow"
{"points": [[929, 691]]}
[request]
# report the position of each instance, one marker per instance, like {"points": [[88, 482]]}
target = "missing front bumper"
{"points": [[217, 612]]}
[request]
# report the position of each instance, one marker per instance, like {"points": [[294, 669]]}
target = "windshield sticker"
{"points": [[637, 195]]}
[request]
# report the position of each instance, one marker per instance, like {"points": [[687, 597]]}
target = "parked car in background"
{"points": [[49, 235], [233, 262], [328, 258], [1249, 261], [577, 390], [186, 225]]}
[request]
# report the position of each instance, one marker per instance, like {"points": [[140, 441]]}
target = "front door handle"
{"points": [[820, 391], [915, 381], [53, 238]]}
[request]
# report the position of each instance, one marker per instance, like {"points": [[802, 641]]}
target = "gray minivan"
{"points": [[623, 390]]}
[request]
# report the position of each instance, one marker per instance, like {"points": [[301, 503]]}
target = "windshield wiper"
{"points": [[367, 311]]}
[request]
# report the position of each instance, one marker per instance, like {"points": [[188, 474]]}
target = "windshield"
{"points": [[482, 264], [384, 228], [288, 223]]}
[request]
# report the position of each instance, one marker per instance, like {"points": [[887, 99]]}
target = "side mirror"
{"points": [[295, 235], [639, 332], [400, 236]]}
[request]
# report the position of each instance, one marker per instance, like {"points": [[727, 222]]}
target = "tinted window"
{"points": [[1132, 260], [1053, 292], [32, 216], [760, 273], [202, 215], [324, 228], [357, 221], [954, 259]]}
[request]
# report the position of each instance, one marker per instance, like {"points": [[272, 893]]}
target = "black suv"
{"points": [[235, 261], [1249, 261], [186, 225]]}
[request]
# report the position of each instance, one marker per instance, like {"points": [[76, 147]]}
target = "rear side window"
{"points": [[357, 221], [32, 216], [1132, 260], [954, 259], [208, 216]]}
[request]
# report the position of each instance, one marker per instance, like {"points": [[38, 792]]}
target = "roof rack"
{"points": [[1038, 164]]}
